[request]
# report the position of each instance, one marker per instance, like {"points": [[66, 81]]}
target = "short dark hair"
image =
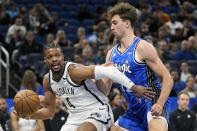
{"points": [[52, 45], [183, 92], [125, 11]]}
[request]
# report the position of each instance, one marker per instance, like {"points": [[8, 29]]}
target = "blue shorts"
{"points": [[137, 120]]}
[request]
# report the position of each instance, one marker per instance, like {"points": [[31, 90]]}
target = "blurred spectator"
{"points": [[12, 10], [114, 100], [100, 25], [173, 49], [50, 38], [101, 38], [4, 116], [162, 17], [81, 44], [78, 58], [178, 84], [98, 12], [145, 16], [59, 118], [23, 15], [16, 30], [29, 82], [4, 2], [145, 33], [61, 39], [30, 45], [184, 71], [120, 110], [52, 23], [163, 33], [116, 90], [163, 51], [182, 119], [190, 83], [32, 20], [4, 17], [173, 23], [192, 43], [101, 54], [84, 13], [178, 36], [81, 34], [88, 56], [20, 124], [185, 53], [168, 66], [43, 17], [187, 28]]}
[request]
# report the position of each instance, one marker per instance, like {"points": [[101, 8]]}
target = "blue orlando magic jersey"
{"points": [[140, 74]]}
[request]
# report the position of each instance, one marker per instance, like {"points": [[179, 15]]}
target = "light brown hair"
{"points": [[125, 11]]}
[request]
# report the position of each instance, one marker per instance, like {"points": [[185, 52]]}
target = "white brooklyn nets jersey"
{"points": [[78, 98]]}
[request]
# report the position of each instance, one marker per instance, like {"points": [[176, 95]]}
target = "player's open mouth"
{"points": [[55, 66]]}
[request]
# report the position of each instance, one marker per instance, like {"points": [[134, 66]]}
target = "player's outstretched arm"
{"points": [[78, 73], [49, 110]]}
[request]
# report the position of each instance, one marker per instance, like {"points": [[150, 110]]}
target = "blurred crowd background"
{"points": [[82, 29]]}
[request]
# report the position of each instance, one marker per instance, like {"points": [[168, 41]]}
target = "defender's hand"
{"points": [[156, 109], [141, 91]]}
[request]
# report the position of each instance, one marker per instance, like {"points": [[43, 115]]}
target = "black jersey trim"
{"points": [[151, 83], [134, 51], [92, 93], [127, 48], [111, 53], [68, 80], [50, 83]]}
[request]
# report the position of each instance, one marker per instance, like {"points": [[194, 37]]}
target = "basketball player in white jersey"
{"points": [[88, 106]]}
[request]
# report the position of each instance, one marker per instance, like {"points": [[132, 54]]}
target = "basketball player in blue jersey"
{"points": [[139, 61], [87, 105]]}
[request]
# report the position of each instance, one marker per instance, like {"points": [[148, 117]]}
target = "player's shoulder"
{"points": [[144, 45], [46, 77]]}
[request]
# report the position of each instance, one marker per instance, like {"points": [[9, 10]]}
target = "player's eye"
{"points": [[57, 55], [49, 57]]}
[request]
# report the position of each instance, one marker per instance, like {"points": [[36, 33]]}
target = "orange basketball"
{"points": [[26, 102]]}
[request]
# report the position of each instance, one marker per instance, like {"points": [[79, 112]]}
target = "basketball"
{"points": [[26, 102]]}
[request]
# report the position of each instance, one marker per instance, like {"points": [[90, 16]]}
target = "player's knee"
{"points": [[115, 128], [87, 126], [157, 125]]}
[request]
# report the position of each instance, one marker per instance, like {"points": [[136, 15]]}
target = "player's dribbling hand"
{"points": [[141, 91], [21, 115], [156, 109]]}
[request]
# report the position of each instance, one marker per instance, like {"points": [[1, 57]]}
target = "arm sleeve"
{"points": [[114, 74]]}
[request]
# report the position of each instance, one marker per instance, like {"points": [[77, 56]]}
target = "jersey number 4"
{"points": [[69, 103]]}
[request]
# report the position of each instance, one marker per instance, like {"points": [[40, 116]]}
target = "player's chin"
{"points": [[55, 70]]}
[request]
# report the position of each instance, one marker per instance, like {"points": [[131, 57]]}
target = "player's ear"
{"points": [[127, 23]]}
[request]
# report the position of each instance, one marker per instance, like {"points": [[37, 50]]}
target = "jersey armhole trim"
{"points": [[135, 56], [69, 79], [111, 53], [50, 84]]}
